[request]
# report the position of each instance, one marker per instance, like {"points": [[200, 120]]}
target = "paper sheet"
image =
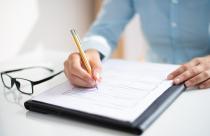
{"points": [[126, 90]]}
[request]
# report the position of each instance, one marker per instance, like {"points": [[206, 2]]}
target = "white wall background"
{"points": [[28, 24]]}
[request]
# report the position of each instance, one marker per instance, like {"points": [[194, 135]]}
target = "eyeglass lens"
{"points": [[24, 86], [7, 80]]}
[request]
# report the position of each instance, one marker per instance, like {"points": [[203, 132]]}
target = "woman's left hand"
{"points": [[195, 73]]}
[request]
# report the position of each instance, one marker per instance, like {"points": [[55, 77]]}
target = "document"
{"points": [[126, 90]]}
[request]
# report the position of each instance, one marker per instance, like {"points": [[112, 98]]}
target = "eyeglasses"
{"points": [[25, 86]]}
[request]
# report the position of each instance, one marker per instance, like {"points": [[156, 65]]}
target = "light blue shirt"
{"points": [[176, 30]]}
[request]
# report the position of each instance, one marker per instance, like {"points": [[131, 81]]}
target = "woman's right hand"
{"points": [[76, 72]]}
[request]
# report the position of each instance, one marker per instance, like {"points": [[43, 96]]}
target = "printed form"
{"points": [[126, 91]]}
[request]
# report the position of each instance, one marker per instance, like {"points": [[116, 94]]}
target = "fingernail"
{"points": [[97, 75], [177, 80], [170, 77], [201, 86]]}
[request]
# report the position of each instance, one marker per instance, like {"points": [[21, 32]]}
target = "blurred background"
{"points": [[29, 25]]}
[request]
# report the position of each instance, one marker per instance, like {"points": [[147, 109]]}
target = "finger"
{"points": [[75, 80], [183, 68], [205, 84], [96, 72], [75, 68], [178, 71], [198, 79], [190, 73], [96, 66]]}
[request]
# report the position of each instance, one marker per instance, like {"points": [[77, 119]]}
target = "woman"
{"points": [[177, 32]]}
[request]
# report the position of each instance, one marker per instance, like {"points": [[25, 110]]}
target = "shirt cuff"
{"points": [[99, 43]]}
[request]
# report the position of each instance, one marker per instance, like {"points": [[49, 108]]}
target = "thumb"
{"points": [[97, 74], [96, 69], [95, 62]]}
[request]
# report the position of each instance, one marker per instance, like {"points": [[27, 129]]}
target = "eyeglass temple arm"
{"points": [[46, 79], [15, 70]]}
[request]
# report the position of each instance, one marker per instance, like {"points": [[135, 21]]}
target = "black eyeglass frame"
{"points": [[33, 83]]}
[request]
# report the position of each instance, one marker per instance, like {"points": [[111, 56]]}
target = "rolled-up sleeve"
{"points": [[107, 28]]}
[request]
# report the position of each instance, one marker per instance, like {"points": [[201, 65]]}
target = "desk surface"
{"points": [[188, 115]]}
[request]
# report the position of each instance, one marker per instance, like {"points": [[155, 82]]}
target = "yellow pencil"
{"points": [[81, 52]]}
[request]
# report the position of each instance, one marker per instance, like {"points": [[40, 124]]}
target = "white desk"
{"points": [[189, 115]]}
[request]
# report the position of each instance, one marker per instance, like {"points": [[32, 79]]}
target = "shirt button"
{"points": [[175, 1], [173, 24]]}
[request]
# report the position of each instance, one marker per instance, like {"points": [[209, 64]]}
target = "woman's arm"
{"points": [[107, 28]]}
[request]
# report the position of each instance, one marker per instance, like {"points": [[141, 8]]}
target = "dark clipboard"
{"points": [[136, 127]]}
